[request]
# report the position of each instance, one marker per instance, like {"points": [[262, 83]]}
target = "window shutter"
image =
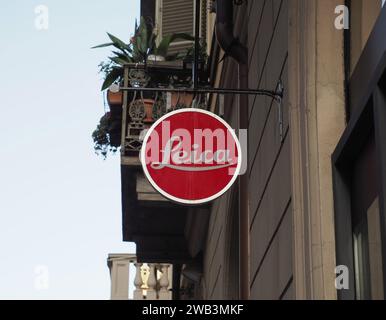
{"points": [[177, 16]]}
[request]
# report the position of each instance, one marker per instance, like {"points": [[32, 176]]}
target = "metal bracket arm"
{"points": [[277, 95]]}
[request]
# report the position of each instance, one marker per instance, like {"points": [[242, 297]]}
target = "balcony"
{"points": [[142, 108], [150, 282]]}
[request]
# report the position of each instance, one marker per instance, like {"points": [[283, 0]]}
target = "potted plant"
{"points": [[106, 136], [114, 97], [141, 48]]}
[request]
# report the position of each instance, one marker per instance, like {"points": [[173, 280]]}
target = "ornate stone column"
{"points": [[151, 293], [164, 293], [138, 282]]}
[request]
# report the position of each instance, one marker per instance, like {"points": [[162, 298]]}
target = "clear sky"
{"points": [[59, 203]]}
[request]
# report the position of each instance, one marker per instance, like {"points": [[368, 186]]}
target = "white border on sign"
{"points": [[186, 201]]}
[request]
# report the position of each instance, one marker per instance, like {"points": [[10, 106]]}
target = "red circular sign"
{"points": [[191, 156]]}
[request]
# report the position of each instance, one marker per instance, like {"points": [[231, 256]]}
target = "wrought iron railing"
{"points": [[141, 108]]}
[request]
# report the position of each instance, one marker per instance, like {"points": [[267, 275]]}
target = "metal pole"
{"points": [[196, 43], [269, 93]]}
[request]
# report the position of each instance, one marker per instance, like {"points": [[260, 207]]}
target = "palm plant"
{"points": [[141, 45]]}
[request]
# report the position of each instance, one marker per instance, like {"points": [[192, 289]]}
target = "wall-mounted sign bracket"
{"points": [[277, 95]]}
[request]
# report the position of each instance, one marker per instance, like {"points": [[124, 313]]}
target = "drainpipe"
{"points": [[233, 48]]}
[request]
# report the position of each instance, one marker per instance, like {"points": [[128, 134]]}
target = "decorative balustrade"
{"points": [[151, 281]]}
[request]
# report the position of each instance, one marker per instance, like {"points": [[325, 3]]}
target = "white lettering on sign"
{"points": [[178, 156]]}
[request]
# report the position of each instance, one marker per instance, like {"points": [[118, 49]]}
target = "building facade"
{"points": [[310, 208]]}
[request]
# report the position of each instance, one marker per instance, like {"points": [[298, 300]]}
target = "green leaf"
{"points": [[143, 44], [113, 76], [129, 58], [119, 61], [163, 47], [152, 44], [103, 45], [118, 43], [136, 26]]}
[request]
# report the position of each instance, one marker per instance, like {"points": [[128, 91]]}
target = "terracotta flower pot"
{"points": [[182, 99], [148, 110], [114, 99]]}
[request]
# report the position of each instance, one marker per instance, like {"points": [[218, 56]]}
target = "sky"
{"points": [[60, 204]]}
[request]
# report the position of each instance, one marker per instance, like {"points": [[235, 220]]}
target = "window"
{"points": [[364, 14], [365, 218], [359, 166], [177, 16]]}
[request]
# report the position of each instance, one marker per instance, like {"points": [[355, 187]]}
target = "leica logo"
{"points": [[191, 156], [180, 155]]}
